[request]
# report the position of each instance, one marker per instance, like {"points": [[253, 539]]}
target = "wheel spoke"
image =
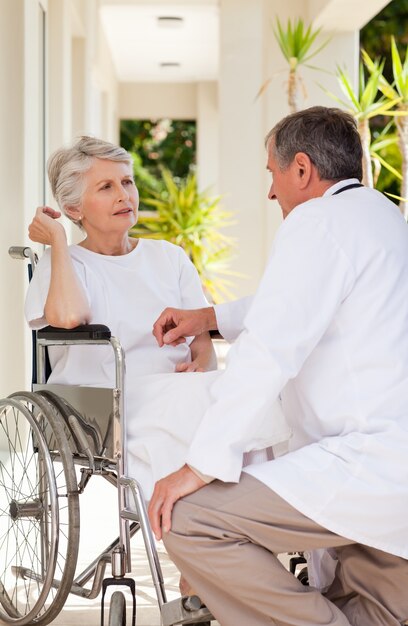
{"points": [[36, 534]]}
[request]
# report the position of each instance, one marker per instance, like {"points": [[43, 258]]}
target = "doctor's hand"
{"points": [[166, 493], [44, 228], [174, 325]]}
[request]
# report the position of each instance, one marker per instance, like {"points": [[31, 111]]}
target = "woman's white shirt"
{"points": [[127, 293]]}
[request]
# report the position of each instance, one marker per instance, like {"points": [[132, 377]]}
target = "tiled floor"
{"points": [[80, 612]]}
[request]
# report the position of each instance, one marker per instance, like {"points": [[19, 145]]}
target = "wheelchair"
{"points": [[53, 440]]}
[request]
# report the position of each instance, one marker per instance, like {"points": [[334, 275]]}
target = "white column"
{"points": [[275, 96], [207, 136], [22, 30], [242, 127], [12, 196], [60, 91], [92, 94], [78, 86], [60, 73]]}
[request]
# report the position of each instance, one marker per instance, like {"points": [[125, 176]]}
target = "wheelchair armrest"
{"points": [[215, 334], [87, 332]]}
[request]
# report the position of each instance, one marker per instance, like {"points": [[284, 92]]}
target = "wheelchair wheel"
{"points": [[117, 610], [303, 576], [39, 511]]}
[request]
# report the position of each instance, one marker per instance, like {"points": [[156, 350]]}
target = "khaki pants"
{"points": [[224, 539]]}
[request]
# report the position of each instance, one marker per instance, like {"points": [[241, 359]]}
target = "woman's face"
{"points": [[110, 199]]}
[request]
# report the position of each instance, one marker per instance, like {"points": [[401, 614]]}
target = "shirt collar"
{"points": [[342, 183]]}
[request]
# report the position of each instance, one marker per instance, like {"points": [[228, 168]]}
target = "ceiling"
{"points": [[147, 47]]}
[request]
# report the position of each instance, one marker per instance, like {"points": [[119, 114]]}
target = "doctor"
{"points": [[328, 330]]}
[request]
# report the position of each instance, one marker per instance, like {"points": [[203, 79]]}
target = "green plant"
{"points": [[295, 43], [154, 144], [191, 219], [161, 143], [396, 92], [145, 181], [364, 105]]}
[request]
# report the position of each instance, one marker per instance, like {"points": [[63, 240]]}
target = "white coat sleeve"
{"points": [[306, 279], [230, 317]]}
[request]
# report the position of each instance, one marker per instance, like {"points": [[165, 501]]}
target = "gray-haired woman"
{"points": [[113, 279]]}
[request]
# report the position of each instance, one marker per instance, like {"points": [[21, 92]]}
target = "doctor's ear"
{"points": [[303, 168]]}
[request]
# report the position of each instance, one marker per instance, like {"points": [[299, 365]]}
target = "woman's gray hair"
{"points": [[67, 166], [328, 136]]}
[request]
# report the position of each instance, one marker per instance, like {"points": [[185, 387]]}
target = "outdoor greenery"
{"points": [[154, 144], [364, 105], [379, 105], [158, 143], [385, 36], [396, 92], [171, 206], [192, 220]]}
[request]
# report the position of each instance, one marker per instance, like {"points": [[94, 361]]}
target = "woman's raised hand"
{"points": [[44, 228]]}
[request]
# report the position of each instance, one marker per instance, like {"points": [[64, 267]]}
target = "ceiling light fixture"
{"points": [[170, 21]]}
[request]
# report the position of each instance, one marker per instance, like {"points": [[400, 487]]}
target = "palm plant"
{"points": [[191, 219], [364, 105], [380, 149], [295, 43], [397, 92]]}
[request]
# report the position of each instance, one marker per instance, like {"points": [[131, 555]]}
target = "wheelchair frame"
{"points": [[59, 433]]}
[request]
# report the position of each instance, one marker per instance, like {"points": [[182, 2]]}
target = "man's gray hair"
{"points": [[328, 136], [67, 166]]}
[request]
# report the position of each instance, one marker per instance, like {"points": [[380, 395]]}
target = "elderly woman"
{"points": [[110, 278]]}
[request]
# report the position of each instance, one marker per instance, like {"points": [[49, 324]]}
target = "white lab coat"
{"points": [[328, 329]]}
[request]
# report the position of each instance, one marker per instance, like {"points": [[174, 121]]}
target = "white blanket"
{"points": [[163, 413]]}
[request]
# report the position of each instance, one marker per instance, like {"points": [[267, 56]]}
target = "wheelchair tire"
{"points": [[39, 511], [117, 609], [303, 576]]}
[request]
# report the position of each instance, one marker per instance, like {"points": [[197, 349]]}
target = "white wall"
{"points": [[208, 133], [156, 100], [344, 15], [12, 210]]}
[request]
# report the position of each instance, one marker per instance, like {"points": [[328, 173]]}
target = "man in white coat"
{"points": [[328, 331]]}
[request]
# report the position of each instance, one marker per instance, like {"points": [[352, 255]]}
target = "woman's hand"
{"points": [[194, 366], [44, 228], [67, 304]]}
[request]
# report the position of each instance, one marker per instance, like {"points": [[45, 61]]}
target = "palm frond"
{"points": [[189, 218], [392, 195], [385, 164]]}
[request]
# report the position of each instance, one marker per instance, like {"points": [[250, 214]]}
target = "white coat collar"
{"points": [[342, 183]]}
